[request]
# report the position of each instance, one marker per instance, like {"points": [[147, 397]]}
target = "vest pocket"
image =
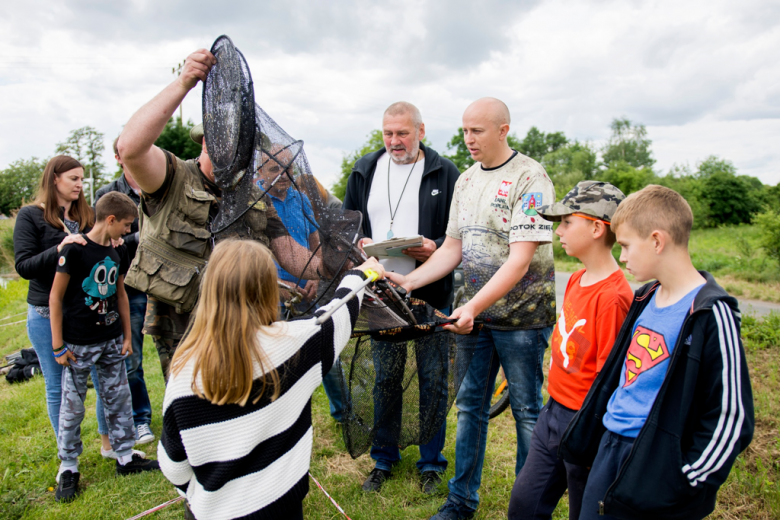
{"points": [[173, 283], [195, 204], [186, 237]]}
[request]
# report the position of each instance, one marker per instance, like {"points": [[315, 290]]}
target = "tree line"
{"points": [[19, 180], [717, 193]]}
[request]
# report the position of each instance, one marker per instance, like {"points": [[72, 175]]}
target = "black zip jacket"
{"points": [[436, 190], [35, 252], [702, 417]]}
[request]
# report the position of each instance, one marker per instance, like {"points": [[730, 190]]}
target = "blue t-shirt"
{"points": [[296, 214], [644, 369]]}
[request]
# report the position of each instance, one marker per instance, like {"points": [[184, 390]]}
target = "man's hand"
{"points": [[127, 346], [310, 290], [465, 317], [398, 279], [422, 253], [196, 67], [65, 359]]}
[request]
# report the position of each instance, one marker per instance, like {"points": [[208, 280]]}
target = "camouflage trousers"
{"points": [[165, 349], [114, 391]]}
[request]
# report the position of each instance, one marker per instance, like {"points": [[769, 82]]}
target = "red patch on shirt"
{"points": [[503, 191]]}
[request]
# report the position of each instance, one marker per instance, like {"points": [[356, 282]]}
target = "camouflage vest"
{"points": [[175, 242]]}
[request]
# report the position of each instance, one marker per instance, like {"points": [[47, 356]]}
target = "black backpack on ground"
{"points": [[24, 367]]}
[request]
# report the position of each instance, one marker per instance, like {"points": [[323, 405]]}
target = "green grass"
{"points": [[28, 454]]}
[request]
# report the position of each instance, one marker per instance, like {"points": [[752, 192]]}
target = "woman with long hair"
{"points": [[56, 217], [237, 432]]}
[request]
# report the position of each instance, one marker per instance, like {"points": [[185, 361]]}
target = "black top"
{"points": [[131, 239], [435, 197], [90, 313], [35, 252], [701, 419]]}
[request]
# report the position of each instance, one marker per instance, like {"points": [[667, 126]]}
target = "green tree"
{"points": [[461, 158], [629, 144], [373, 143], [19, 183], [681, 179], [536, 144], [175, 138], [570, 164], [86, 145], [730, 198], [627, 177]]}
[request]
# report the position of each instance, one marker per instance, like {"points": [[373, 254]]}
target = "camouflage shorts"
{"points": [[114, 391]]}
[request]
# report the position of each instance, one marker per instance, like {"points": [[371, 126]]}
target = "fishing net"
{"points": [[401, 370]]}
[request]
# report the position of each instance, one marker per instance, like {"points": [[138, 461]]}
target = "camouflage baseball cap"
{"points": [[595, 198], [196, 133]]}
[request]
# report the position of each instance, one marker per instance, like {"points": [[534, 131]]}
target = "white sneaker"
{"points": [[111, 454], [143, 434]]}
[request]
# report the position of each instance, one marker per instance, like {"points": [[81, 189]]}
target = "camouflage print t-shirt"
{"points": [[492, 208]]}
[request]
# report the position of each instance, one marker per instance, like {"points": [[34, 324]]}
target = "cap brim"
{"points": [[196, 133], [554, 212]]}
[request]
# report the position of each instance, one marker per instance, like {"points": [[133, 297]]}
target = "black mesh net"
{"points": [[401, 370]]}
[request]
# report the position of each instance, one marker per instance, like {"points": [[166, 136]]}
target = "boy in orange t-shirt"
{"points": [[595, 304]]}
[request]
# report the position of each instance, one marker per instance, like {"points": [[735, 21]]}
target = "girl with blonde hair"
{"points": [[237, 432]]}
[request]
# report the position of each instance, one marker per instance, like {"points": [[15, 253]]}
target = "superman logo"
{"points": [[647, 349]]}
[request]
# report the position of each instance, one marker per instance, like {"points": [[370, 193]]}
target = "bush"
{"points": [[769, 224], [761, 333]]}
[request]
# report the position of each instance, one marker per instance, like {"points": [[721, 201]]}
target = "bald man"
{"points": [[506, 250]]}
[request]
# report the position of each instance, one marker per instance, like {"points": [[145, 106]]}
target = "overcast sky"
{"points": [[703, 76]]}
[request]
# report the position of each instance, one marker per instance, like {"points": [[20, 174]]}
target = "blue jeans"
{"points": [[142, 408], [39, 332], [389, 359], [333, 390], [521, 353], [544, 477]]}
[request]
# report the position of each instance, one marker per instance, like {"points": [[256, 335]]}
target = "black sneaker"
{"points": [[430, 480], [68, 487], [375, 480], [451, 511], [137, 465]]}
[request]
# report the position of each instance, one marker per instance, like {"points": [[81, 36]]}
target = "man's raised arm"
{"points": [[146, 161]]}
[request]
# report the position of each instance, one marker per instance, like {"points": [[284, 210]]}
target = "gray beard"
{"points": [[409, 158]]}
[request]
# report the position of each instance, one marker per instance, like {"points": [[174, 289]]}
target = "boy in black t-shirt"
{"points": [[90, 322]]}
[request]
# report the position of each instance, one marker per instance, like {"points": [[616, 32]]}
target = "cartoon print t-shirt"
{"points": [[644, 369], [492, 208], [89, 308], [590, 320]]}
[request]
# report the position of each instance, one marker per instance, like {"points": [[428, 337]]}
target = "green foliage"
{"points": [[769, 224], [761, 333], [729, 198], [461, 158], [629, 144], [627, 177], [570, 164], [7, 246], [19, 183], [536, 144], [373, 143], [175, 138], [86, 145]]}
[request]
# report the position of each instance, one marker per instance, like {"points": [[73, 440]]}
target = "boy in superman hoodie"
{"points": [[672, 406]]}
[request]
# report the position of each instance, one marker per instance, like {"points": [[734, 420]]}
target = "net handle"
{"points": [[371, 275]]}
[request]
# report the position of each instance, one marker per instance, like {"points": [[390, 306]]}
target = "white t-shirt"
{"points": [[405, 223], [492, 208]]}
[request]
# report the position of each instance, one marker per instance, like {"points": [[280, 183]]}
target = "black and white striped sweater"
{"points": [[252, 461]]}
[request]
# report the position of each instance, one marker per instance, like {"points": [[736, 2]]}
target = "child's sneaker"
{"points": [[143, 434], [68, 486], [111, 454], [138, 464]]}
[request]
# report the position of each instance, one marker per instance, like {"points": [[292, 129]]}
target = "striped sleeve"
{"points": [[171, 453], [726, 427], [335, 332]]}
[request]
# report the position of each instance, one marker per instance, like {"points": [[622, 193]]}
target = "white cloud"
{"points": [[703, 76]]}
